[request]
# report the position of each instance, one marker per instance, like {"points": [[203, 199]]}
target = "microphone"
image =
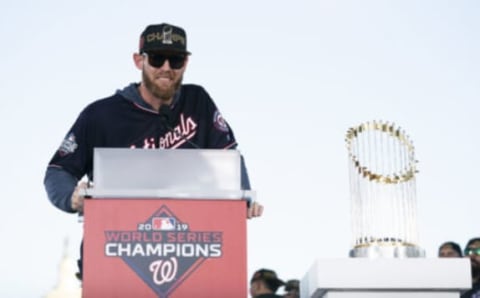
{"points": [[166, 117]]}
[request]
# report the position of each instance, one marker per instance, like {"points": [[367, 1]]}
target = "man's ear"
{"points": [[138, 60]]}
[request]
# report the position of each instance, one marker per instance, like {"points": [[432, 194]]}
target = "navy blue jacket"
{"points": [[126, 120]]}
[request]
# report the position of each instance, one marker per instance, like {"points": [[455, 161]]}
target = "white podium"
{"points": [[387, 277]]}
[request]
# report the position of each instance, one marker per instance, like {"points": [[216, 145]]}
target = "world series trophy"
{"points": [[385, 259], [382, 168]]}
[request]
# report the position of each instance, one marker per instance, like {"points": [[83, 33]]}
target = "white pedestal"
{"points": [[385, 278]]}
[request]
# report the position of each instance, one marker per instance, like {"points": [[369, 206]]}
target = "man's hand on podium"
{"points": [[254, 210], [78, 196]]}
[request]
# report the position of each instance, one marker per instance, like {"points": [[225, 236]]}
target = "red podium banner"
{"points": [[167, 248]]}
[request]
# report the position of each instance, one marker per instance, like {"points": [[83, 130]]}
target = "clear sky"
{"points": [[289, 76]]}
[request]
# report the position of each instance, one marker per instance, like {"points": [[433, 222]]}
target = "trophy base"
{"points": [[387, 251]]}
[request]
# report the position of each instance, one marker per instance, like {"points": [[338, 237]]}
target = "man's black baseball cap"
{"points": [[163, 38], [269, 277]]}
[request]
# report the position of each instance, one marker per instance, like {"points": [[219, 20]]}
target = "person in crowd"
{"points": [[450, 249], [292, 289], [472, 251], [265, 283]]}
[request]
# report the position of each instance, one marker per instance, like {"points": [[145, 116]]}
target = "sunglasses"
{"points": [[157, 60], [472, 251]]}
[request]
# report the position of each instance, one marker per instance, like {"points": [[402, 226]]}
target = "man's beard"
{"points": [[163, 94]]}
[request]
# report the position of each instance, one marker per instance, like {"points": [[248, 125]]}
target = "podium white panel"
{"points": [[184, 169], [390, 294], [362, 277]]}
